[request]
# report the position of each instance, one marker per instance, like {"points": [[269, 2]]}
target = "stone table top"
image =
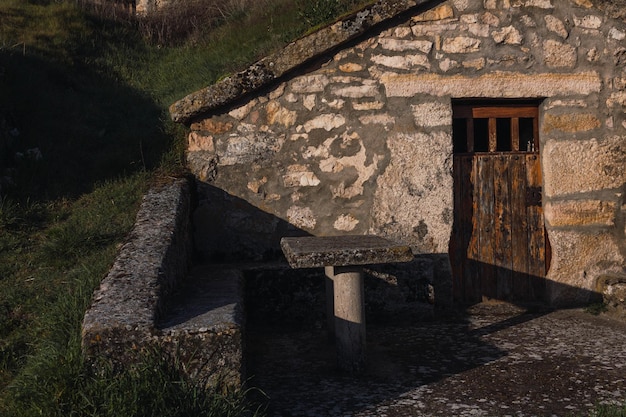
{"points": [[321, 251]]}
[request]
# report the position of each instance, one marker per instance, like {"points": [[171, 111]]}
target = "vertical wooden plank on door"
{"points": [[519, 227], [467, 196], [472, 264], [462, 225], [457, 244], [536, 229], [502, 226], [485, 209]]}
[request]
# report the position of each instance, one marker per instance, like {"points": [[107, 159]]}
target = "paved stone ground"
{"points": [[493, 362]]}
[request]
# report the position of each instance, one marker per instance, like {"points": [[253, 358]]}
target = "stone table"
{"points": [[343, 257]]}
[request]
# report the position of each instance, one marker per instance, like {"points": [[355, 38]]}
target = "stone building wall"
{"points": [[362, 141]]}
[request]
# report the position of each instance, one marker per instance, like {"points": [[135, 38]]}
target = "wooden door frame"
{"points": [[493, 110]]}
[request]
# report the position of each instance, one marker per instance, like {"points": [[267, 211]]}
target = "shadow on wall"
{"points": [[228, 229]]}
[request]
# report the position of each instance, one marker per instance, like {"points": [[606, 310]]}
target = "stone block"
{"points": [[570, 122], [617, 99], [301, 217], [199, 142], [381, 119], [495, 84], [438, 13], [574, 213], [368, 105], [478, 29], [554, 24], [433, 29], [212, 126], [345, 223], [613, 289], [508, 35], [617, 34], [432, 114], [541, 4], [276, 114], [350, 67], [401, 45], [404, 62], [461, 45], [246, 149], [358, 91], [559, 55], [327, 122], [300, 176], [588, 22], [310, 84], [578, 260], [241, 112], [579, 166]]}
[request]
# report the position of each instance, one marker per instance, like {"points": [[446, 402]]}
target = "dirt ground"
{"points": [[492, 361]]}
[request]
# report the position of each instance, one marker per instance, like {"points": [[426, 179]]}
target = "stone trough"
{"points": [[153, 299]]}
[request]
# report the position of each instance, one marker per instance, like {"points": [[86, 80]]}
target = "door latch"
{"points": [[533, 196]]}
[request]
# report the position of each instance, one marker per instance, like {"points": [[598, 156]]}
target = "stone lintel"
{"points": [[497, 84]]}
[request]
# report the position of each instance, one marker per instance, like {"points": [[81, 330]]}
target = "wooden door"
{"points": [[498, 247]]}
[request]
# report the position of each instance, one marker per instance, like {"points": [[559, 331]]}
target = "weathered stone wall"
{"points": [[363, 142]]}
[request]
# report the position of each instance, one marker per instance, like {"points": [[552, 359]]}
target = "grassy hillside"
{"points": [[84, 131]]}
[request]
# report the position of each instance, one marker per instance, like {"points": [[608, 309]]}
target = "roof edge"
{"points": [[296, 53]]}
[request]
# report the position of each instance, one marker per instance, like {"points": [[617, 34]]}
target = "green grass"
{"points": [[609, 411]]}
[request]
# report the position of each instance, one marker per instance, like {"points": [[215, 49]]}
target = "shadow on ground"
{"points": [[495, 360]]}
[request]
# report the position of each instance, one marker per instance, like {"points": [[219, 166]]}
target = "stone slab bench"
{"points": [[342, 258], [150, 300]]}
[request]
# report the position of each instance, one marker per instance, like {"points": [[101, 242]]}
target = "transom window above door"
{"points": [[494, 126]]}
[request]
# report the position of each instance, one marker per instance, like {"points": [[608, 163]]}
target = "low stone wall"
{"points": [[131, 297], [137, 307]]}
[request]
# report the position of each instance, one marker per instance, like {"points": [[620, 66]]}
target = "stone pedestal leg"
{"points": [[349, 305]]}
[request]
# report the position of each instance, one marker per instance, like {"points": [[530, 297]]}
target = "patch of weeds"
{"points": [[596, 308], [606, 410], [317, 12]]}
